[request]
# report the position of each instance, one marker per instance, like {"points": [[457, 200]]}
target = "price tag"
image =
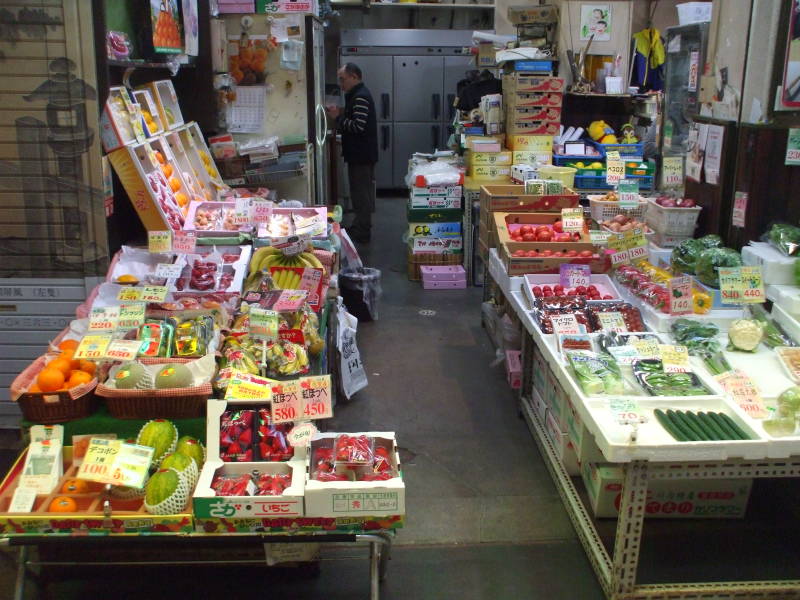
{"points": [[615, 168], [153, 293], [104, 319], [635, 239], [167, 271], [123, 350], [184, 242], [241, 213], [262, 211], [620, 257], [264, 324], [625, 410], [612, 321], [286, 401], [739, 209], [598, 237], [572, 219], [301, 434], [730, 285], [672, 170], [752, 285], [131, 315], [316, 394], [565, 324], [93, 347], [116, 462], [674, 359], [617, 241], [743, 391], [646, 348], [637, 253], [628, 192], [159, 242], [571, 276], [624, 355], [129, 294], [680, 295], [244, 386]]}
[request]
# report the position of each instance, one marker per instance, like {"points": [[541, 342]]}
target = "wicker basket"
{"points": [[52, 407], [175, 403], [415, 261]]}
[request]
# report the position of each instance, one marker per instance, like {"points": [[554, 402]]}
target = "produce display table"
{"points": [[641, 463]]}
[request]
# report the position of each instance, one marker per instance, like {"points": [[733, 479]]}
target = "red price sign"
{"points": [[184, 242], [286, 401], [316, 394]]}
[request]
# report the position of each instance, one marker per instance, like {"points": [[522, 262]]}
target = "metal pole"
{"points": [[22, 568], [629, 529]]}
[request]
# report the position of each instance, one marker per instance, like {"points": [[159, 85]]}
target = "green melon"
{"points": [[191, 447], [162, 485], [129, 376], [173, 375], [179, 462], [160, 435]]}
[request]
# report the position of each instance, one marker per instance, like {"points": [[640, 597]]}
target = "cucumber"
{"points": [[690, 424], [711, 424], [663, 419], [723, 424], [738, 430], [709, 431], [681, 426]]}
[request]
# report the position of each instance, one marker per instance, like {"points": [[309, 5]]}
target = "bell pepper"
{"points": [[701, 302]]}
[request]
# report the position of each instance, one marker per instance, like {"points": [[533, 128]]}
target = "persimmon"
{"points": [[63, 504]]}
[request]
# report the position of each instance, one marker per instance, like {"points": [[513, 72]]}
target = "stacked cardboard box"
{"points": [[533, 103]]}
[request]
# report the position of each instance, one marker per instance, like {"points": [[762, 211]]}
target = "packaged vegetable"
{"points": [[785, 238], [712, 259], [698, 337], [774, 336], [596, 373], [684, 256], [656, 382], [745, 335], [710, 241]]}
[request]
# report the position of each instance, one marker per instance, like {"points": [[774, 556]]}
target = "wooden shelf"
{"points": [[141, 64], [430, 5]]}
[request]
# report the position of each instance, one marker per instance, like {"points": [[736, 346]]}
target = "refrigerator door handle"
{"points": [[385, 142], [436, 100], [434, 136], [385, 105], [321, 126], [451, 98]]}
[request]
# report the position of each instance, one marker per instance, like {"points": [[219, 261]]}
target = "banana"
{"points": [[295, 280], [312, 260]]}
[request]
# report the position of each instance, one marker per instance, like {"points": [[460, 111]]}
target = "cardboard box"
{"points": [[356, 498], [531, 143], [497, 139], [540, 369], [514, 369], [533, 127], [522, 266], [503, 222], [556, 399], [562, 445], [514, 100], [487, 55], [525, 14], [289, 504], [490, 173], [436, 245], [513, 198], [668, 499], [520, 173], [531, 157], [193, 137], [166, 99], [436, 230], [519, 82], [535, 113], [489, 158], [120, 121], [539, 407], [433, 215]]}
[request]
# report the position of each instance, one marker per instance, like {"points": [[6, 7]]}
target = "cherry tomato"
{"points": [[537, 291]]}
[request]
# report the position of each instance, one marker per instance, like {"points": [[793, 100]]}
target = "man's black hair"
{"points": [[353, 69]]}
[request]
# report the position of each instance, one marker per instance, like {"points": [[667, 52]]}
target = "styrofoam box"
{"points": [[603, 283], [582, 441], [668, 498], [459, 284], [442, 272], [776, 267], [694, 12], [659, 256], [785, 296], [539, 406], [566, 452], [356, 498], [289, 504], [762, 366]]}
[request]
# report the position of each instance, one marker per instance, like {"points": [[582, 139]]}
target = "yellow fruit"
{"points": [[127, 279]]}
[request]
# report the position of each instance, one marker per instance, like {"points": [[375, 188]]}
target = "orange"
{"points": [[88, 366], [174, 184], [181, 198], [68, 345], [49, 380], [34, 389], [160, 157], [61, 363], [79, 378], [74, 363], [167, 170], [75, 486], [63, 504]]}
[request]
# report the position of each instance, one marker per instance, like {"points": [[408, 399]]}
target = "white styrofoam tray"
{"points": [[785, 296], [776, 267], [604, 284], [499, 273]]}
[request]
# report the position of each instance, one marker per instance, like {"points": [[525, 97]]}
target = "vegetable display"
{"points": [[596, 373], [656, 382], [712, 259], [685, 254], [785, 238], [690, 426], [774, 336], [745, 335]]}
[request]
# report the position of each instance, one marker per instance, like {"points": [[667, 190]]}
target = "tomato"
{"points": [[525, 229], [572, 253], [544, 236], [518, 253], [537, 291], [558, 254], [529, 237], [607, 297], [558, 227], [585, 254], [546, 253], [576, 236], [581, 290], [531, 254], [542, 228], [547, 288], [591, 288]]}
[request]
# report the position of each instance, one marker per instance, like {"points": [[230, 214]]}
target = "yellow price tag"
{"points": [[131, 315], [93, 347], [159, 241], [244, 386], [153, 293], [615, 168], [129, 294], [674, 359], [104, 318], [646, 348], [116, 463], [752, 285]]}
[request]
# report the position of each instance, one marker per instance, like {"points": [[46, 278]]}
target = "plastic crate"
{"points": [[624, 149], [598, 182], [603, 210], [672, 221]]}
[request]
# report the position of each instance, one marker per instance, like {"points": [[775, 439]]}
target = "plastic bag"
{"points": [[361, 289], [784, 237], [353, 376], [435, 173]]}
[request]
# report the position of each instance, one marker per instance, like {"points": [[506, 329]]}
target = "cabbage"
{"points": [[711, 240], [710, 260], [684, 256]]}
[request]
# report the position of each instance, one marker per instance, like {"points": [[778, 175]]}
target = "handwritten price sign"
{"points": [[104, 319], [572, 219], [184, 242], [129, 294], [675, 359], [316, 393], [123, 350], [153, 293], [628, 191], [93, 347], [286, 401], [615, 168], [116, 463], [574, 275], [130, 315], [680, 295], [159, 242]]}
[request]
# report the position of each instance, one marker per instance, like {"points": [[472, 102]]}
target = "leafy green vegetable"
{"points": [[684, 255], [706, 265], [596, 374], [745, 335], [698, 337], [785, 238], [711, 240], [773, 334]]}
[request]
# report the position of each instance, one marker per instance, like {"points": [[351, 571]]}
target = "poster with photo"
{"points": [[596, 21]]}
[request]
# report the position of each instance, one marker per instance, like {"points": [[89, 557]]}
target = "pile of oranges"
{"points": [[174, 183], [248, 67], [165, 31], [64, 371]]}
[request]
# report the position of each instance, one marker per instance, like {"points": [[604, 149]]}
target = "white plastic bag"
{"points": [[354, 378]]}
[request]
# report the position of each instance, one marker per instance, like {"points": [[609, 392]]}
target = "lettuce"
{"points": [[710, 260]]}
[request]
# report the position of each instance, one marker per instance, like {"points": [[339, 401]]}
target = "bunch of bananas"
{"points": [[285, 279], [286, 358], [268, 256]]}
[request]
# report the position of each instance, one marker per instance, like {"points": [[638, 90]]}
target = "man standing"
{"points": [[359, 128]]}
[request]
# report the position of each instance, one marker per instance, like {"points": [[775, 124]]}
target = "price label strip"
{"points": [[93, 347], [572, 219], [116, 462], [615, 168], [131, 316], [674, 359], [159, 242], [104, 318]]}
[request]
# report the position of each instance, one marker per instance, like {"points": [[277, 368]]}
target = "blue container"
{"points": [[535, 66], [589, 182], [624, 149]]}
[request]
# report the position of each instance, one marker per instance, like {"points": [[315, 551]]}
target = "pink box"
{"points": [[442, 273], [459, 284], [514, 368], [237, 6]]}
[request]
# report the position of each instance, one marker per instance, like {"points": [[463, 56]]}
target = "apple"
{"points": [[558, 227], [544, 236], [529, 237]]}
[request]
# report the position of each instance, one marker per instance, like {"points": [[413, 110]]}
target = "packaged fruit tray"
{"points": [[214, 219], [78, 507], [602, 284]]}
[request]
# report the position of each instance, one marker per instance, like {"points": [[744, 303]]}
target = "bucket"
{"points": [[566, 175], [360, 289]]}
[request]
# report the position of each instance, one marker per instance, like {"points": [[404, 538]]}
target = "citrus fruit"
{"points": [[49, 380], [127, 279], [75, 486], [34, 389], [62, 364], [160, 157], [167, 170], [79, 378], [68, 345], [88, 366], [174, 184], [63, 504]]}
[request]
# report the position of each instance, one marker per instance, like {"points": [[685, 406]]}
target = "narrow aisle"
{"points": [[473, 473]]}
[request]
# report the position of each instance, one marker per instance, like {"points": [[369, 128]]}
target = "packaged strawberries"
{"points": [[322, 467], [236, 435], [233, 485], [271, 440], [272, 485], [353, 450]]}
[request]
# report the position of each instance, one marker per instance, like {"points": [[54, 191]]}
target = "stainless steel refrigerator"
{"points": [[412, 75], [317, 123]]}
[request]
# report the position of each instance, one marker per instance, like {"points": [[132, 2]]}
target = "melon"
{"points": [[161, 486], [191, 447], [160, 435], [179, 462], [174, 375], [129, 376]]}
